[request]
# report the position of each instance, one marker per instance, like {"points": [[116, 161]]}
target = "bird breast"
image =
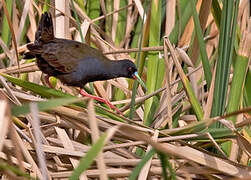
{"points": [[89, 70]]}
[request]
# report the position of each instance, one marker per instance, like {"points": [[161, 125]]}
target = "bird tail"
{"points": [[45, 30], [43, 35]]}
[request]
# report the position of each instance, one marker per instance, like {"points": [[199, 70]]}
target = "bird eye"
{"points": [[130, 69]]}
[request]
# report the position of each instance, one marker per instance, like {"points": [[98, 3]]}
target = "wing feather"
{"points": [[65, 55]]}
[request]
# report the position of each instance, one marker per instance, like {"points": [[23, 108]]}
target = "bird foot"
{"points": [[100, 99]]}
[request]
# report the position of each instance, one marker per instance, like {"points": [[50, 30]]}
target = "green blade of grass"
{"points": [[52, 93], [41, 90], [108, 20], [194, 127], [181, 23], [247, 92], [201, 127], [216, 12], [164, 165], [81, 4], [226, 44], [203, 52], [93, 9], [237, 85], [78, 21], [186, 84], [120, 32], [43, 105], [46, 6], [139, 55], [193, 100], [5, 26], [155, 65], [141, 164], [86, 161], [6, 167]]}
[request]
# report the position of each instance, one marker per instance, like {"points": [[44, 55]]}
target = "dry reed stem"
{"points": [[38, 141], [95, 136]]}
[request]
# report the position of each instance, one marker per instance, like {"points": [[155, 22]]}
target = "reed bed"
{"points": [[193, 122]]}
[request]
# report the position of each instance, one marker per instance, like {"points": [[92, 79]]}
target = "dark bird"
{"points": [[75, 63]]}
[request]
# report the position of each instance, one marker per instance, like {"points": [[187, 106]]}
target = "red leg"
{"points": [[100, 99], [47, 81]]}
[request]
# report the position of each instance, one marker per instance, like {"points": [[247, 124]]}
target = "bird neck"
{"points": [[115, 70]]}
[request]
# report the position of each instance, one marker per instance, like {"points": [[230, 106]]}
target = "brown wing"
{"points": [[64, 55]]}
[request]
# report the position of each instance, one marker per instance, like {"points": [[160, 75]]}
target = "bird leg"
{"points": [[100, 99], [83, 93], [47, 81]]}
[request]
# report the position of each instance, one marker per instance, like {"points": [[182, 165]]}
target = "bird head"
{"points": [[131, 72]]}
